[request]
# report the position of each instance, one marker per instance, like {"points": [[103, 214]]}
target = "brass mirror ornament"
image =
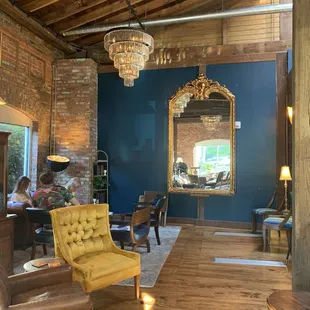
{"points": [[194, 104]]}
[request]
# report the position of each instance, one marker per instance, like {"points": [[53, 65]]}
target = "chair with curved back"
{"points": [[264, 211], [42, 236], [135, 231], [156, 214]]}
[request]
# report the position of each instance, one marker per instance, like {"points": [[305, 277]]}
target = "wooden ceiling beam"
{"points": [[37, 5], [202, 55], [15, 13], [68, 11], [141, 11], [93, 15], [154, 10]]}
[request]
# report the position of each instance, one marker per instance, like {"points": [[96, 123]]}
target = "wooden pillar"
{"points": [[281, 143], [301, 146]]}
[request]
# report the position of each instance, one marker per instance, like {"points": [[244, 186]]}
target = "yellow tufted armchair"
{"points": [[82, 238]]}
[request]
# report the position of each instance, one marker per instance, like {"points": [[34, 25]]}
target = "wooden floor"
{"points": [[190, 279]]}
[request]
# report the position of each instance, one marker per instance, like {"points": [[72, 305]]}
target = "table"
{"points": [[288, 300], [29, 265]]}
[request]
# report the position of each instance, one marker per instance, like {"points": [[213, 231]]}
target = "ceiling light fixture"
{"points": [[211, 121], [129, 49]]}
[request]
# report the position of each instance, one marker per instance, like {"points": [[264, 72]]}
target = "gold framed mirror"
{"points": [[201, 138]]}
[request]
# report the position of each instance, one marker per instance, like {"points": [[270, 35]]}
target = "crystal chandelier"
{"points": [[129, 49], [211, 121], [181, 104]]}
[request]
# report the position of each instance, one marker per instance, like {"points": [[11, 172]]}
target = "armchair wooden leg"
{"points": [[265, 238], [279, 233], [44, 249], [253, 223], [157, 234], [134, 248], [137, 286], [165, 218], [33, 251], [122, 245], [148, 246], [289, 242]]}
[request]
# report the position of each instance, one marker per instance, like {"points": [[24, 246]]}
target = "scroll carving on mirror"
{"points": [[201, 150]]}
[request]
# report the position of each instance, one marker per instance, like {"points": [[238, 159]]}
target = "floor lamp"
{"points": [[285, 176]]}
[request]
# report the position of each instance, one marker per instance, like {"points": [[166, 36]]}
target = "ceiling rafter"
{"points": [[92, 16], [37, 5], [141, 12], [68, 11], [180, 8], [168, 9]]}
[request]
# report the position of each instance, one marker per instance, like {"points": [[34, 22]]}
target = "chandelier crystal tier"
{"points": [[211, 121], [129, 49], [181, 104]]}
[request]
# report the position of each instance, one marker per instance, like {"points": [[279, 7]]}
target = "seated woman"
{"points": [[20, 193], [51, 196]]}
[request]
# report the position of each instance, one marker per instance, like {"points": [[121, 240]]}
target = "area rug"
{"points": [[151, 263]]}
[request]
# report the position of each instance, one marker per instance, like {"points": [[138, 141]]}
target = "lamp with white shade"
{"points": [[285, 176]]}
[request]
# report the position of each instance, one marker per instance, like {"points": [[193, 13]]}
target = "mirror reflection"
{"points": [[201, 152], [202, 144]]}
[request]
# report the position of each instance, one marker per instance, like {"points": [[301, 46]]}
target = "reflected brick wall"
{"points": [[190, 133]]}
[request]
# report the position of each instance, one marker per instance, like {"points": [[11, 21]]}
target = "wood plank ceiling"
{"points": [[63, 15], [175, 45]]}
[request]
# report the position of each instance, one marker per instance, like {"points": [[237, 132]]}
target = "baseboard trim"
{"points": [[212, 223]]}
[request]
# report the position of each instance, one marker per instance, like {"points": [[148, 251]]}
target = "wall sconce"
{"points": [[290, 114], [2, 101]]}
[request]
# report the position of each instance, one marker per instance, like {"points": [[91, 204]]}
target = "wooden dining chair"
{"points": [[134, 231], [279, 223], [264, 211]]}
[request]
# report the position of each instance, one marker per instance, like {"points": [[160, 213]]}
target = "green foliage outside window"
{"points": [[16, 152]]}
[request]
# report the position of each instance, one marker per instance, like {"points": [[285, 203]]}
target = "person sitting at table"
{"points": [[51, 196], [20, 193]]}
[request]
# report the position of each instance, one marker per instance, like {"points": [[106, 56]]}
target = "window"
{"points": [[19, 143], [212, 156]]}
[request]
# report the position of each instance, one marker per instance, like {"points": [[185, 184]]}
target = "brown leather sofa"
{"points": [[47, 289], [23, 229]]}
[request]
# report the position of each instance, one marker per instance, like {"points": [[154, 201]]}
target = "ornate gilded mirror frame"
{"points": [[200, 89]]}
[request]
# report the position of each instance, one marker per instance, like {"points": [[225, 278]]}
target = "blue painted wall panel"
{"points": [[133, 130]]}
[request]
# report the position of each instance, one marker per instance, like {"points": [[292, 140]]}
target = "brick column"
{"points": [[74, 128]]}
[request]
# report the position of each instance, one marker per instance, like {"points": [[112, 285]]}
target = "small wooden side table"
{"points": [[288, 300], [52, 260]]}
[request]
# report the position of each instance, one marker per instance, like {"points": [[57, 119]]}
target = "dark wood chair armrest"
{"points": [[145, 203], [120, 222], [31, 280], [18, 208], [77, 301]]}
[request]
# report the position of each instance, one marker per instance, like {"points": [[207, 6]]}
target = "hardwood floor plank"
{"points": [[190, 280]]}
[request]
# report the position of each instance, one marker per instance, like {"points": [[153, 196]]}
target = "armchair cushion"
{"points": [[92, 263], [278, 220], [47, 292], [261, 211]]}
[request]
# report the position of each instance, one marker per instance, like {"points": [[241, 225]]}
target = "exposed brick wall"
{"points": [[190, 133], [76, 120], [26, 82]]}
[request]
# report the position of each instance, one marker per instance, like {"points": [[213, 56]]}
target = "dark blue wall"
{"points": [[133, 130]]}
